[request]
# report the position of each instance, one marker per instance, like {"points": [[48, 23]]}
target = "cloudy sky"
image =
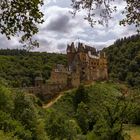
{"points": [[61, 28]]}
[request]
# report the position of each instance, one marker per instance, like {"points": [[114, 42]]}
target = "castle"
{"points": [[84, 65]]}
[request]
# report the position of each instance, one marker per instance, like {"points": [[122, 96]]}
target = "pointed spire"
{"points": [[68, 48], [71, 48]]}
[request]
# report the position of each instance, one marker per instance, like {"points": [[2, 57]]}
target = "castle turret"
{"points": [[70, 53]]}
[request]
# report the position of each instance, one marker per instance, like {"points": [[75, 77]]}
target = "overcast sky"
{"points": [[60, 28]]}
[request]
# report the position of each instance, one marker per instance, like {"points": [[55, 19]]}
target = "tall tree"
{"points": [[20, 16]]}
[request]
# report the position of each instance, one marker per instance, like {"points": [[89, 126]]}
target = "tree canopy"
{"points": [[105, 8], [20, 16]]}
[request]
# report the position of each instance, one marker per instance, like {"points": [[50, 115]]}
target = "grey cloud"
{"points": [[100, 47], [60, 3], [60, 28], [44, 42], [13, 43], [109, 36], [60, 23], [45, 46], [61, 46]]}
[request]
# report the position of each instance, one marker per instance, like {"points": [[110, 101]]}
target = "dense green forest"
{"points": [[20, 67], [124, 60], [96, 112]]}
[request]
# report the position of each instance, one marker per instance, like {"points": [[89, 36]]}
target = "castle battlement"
{"points": [[74, 48]]}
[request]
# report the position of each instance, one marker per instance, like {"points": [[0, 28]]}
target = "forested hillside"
{"points": [[124, 60], [96, 112], [20, 67]]}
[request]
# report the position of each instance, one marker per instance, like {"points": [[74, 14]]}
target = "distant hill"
{"points": [[20, 67], [124, 60]]}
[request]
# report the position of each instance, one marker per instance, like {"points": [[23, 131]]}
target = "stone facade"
{"points": [[85, 65]]}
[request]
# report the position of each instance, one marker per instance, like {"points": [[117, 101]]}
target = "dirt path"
{"points": [[56, 99], [53, 101], [134, 135], [133, 131], [60, 95]]}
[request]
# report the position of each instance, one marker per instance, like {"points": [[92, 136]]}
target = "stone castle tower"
{"points": [[85, 65], [90, 64]]}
